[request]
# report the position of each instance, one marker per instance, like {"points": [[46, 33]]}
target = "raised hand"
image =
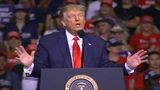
{"points": [[136, 59], [24, 57]]}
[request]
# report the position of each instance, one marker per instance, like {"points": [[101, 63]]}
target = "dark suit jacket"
{"points": [[53, 52]]}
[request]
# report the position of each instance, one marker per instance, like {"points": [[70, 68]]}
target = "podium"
{"points": [[82, 79]]}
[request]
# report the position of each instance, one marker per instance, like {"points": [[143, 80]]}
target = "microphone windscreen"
{"points": [[81, 33]]}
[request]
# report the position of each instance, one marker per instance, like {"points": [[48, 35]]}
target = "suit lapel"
{"points": [[64, 48], [87, 50]]}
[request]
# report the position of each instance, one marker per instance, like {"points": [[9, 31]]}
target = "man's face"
{"points": [[118, 35], [103, 27], [105, 9], [13, 42], [20, 14], [74, 20], [147, 26], [115, 49], [154, 61]]}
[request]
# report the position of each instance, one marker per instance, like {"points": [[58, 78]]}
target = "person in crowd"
{"points": [[146, 39], [8, 79], [114, 47], [154, 11], [122, 35], [28, 31], [54, 6], [18, 67], [129, 14], [54, 25], [148, 80], [106, 11], [13, 40], [103, 27], [146, 36], [92, 9], [144, 19], [43, 4], [64, 49], [28, 83], [36, 15], [7, 8], [119, 33]]}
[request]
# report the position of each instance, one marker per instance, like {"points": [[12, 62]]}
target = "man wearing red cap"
{"points": [[146, 38], [13, 40]]}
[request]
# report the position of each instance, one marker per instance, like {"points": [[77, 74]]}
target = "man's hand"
{"points": [[24, 57], [136, 59]]}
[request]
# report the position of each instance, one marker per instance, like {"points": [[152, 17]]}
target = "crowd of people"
{"points": [[124, 25]]}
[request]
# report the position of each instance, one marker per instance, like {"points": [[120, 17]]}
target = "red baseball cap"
{"points": [[14, 34]]}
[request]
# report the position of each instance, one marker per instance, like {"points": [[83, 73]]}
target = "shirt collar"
{"points": [[70, 36]]}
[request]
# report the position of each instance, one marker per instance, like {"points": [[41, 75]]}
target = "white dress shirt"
{"points": [[71, 41]]}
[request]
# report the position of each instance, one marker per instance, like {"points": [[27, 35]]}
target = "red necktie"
{"points": [[76, 54]]}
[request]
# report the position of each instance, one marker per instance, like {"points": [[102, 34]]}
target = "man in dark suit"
{"points": [[57, 50]]}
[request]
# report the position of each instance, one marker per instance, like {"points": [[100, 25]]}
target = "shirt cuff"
{"points": [[28, 70], [129, 70]]}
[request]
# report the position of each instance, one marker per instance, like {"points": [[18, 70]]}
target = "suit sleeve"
{"points": [[41, 59]]}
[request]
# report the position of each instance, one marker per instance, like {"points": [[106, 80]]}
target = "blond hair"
{"points": [[71, 7], [140, 28]]}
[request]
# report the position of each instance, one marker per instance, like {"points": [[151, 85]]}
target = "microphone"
{"points": [[81, 33]]}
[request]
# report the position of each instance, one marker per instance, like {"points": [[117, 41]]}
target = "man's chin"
{"points": [[79, 29]]}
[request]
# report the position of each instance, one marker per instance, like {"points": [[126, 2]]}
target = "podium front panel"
{"points": [[105, 78]]}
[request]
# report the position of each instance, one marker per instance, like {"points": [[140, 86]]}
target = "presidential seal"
{"points": [[81, 82]]}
